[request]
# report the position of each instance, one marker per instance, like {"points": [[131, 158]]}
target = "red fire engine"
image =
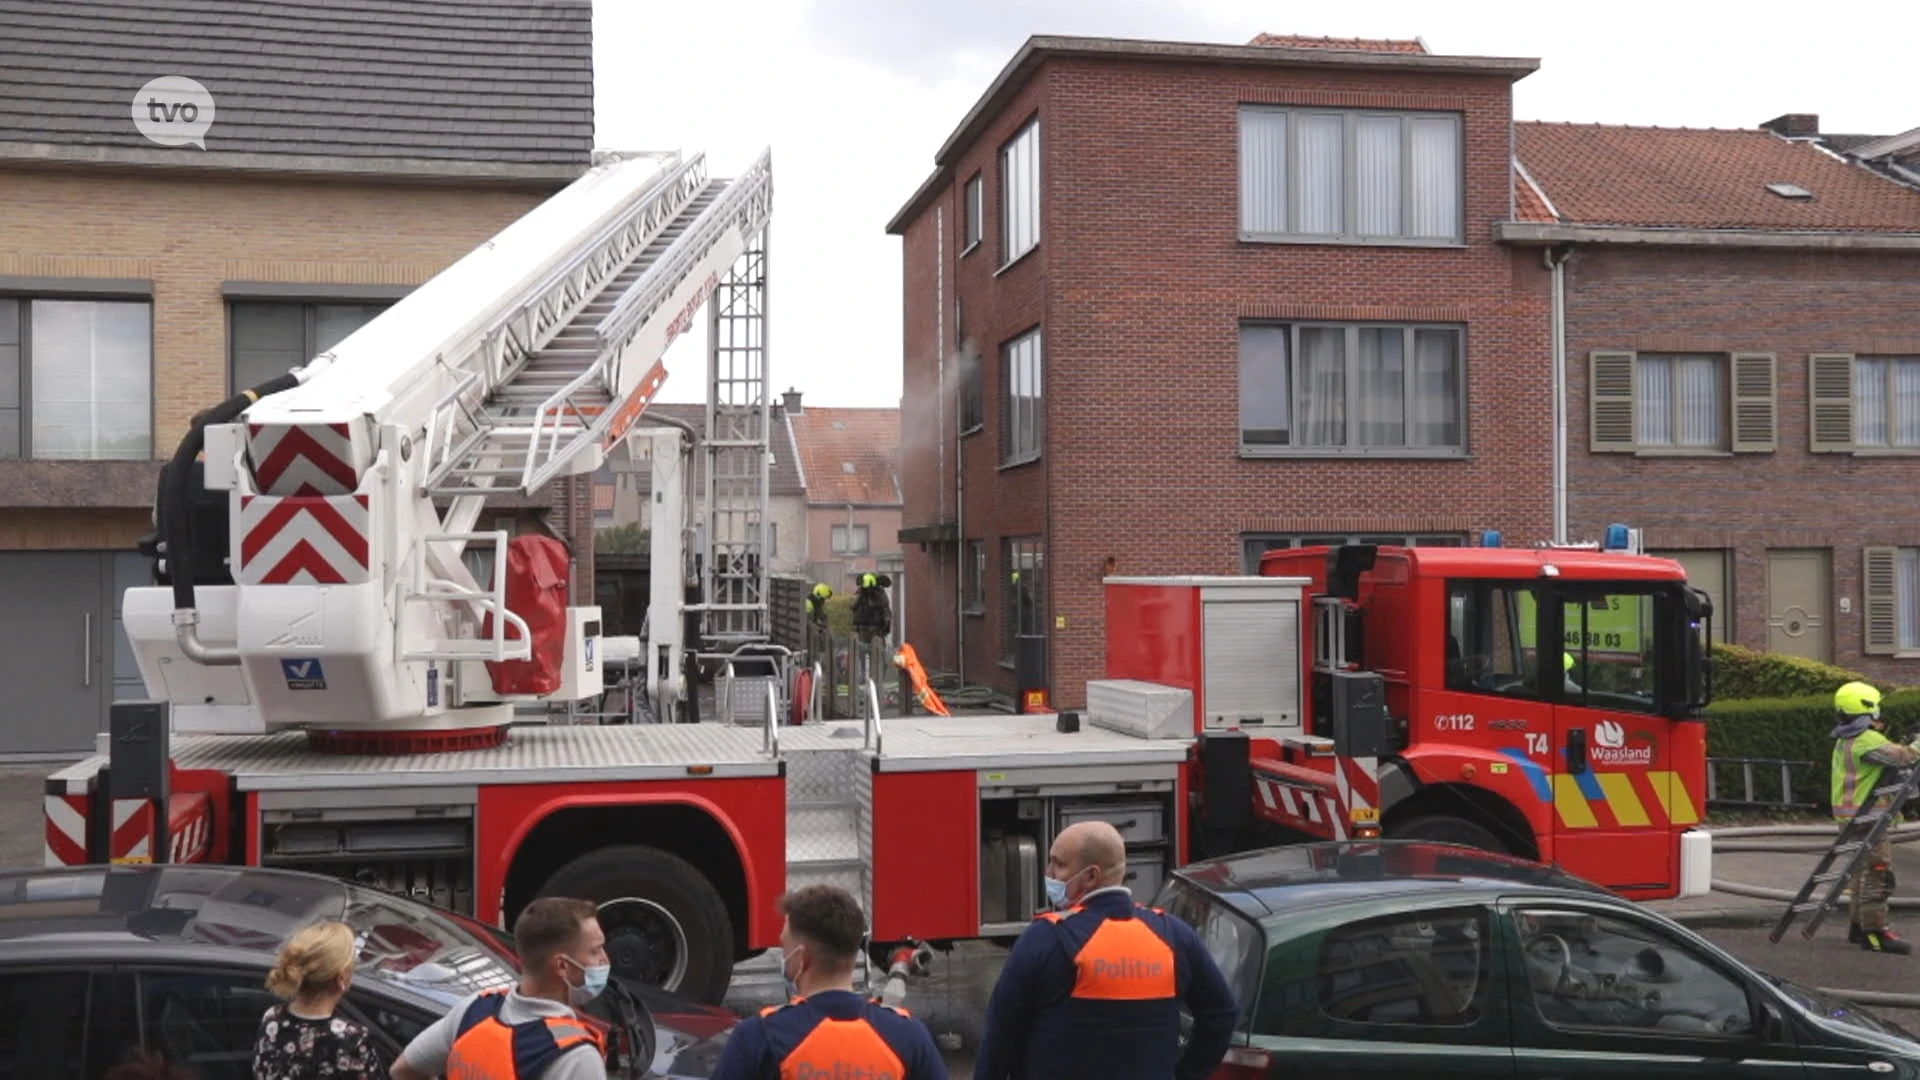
{"points": [[334, 689]]}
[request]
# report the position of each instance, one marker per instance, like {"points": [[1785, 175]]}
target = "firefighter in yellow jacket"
{"points": [[1861, 754]]}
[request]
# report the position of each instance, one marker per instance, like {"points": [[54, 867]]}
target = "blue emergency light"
{"points": [[1618, 538], [1490, 538]]}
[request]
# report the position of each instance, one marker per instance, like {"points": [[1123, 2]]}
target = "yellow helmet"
{"points": [[868, 581], [823, 590], [1566, 661], [1857, 699]]}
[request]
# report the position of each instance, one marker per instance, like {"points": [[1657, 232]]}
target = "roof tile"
{"points": [[1596, 174], [849, 454]]}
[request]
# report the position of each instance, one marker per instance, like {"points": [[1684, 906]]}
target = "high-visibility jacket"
{"points": [[1855, 777], [835, 1035], [1095, 991], [488, 1048]]}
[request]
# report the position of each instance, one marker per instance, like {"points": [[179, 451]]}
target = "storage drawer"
{"points": [[1139, 823], [1146, 871]]}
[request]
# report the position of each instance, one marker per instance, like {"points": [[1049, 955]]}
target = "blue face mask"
{"points": [[1056, 892], [595, 984]]}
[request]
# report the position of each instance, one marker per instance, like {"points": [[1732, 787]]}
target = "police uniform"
{"points": [[1095, 991], [1861, 755], [486, 1047], [834, 1035]]}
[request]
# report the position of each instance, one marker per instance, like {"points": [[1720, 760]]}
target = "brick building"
{"points": [[141, 283], [1167, 305], [850, 469], [1743, 370]]}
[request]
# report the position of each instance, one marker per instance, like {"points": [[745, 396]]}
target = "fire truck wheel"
{"points": [[665, 924], [1441, 829]]}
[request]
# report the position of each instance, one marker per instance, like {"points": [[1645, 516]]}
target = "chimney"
{"points": [[1795, 125], [791, 401]]}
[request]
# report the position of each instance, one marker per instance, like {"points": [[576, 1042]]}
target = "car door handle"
{"points": [[1577, 750]]}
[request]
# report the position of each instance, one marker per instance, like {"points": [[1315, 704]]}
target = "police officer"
{"points": [[1861, 752], [530, 1031], [825, 1029], [1093, 988]]}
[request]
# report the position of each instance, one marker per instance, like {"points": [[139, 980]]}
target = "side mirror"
{"points": [[1771, 1024]]}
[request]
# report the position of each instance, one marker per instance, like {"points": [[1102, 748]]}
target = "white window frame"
{"points": [[1350, 446], [1269, 157], [1022, 400], [1889, 367], [843, 536], [1020, 194], [1644, 378]]}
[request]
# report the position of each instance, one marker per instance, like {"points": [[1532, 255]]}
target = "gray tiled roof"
{"points": [[467, 88]]}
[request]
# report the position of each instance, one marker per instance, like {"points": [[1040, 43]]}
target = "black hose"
{"points": [[176, 494]]}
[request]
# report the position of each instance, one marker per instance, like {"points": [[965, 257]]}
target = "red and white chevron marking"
{"points": [[1312, 810], [132, 831], [189, 840], [315, 459], [66, 830], [1358, 783], [304, 540]]}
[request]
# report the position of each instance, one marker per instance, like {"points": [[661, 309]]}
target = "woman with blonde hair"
{"points": [[300, 1038]]}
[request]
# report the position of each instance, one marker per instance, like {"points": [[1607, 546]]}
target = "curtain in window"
{"points": [[1434, 152], [1321, 400], [92, 380], [1263, 171], [1908, 579], [1264, 386], [1906, 402], [1322, 178], [1656, 401], [1697, 401], [1436, 389], [1377, 174], [1870, 402], [1382, 403]]}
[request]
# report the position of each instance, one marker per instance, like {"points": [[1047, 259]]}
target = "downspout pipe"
{"points": [[1555, 260], [176, 496]]}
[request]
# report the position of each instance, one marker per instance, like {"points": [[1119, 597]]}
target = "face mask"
{"points": [[793, 988], [595, 983], [1056, 893]]}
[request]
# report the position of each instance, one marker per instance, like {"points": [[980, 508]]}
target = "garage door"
{"points": [[66, 658]]}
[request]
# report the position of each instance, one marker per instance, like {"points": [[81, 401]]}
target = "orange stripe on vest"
{"points": [[1125, 960], [842, 1050]]}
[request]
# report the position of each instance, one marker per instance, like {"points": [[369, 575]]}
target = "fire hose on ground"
{"points": [[1752, 839]]}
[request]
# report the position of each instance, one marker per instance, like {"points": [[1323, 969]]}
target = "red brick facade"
{"points": [[1138, 287]]}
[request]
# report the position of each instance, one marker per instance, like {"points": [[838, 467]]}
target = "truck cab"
{"points": [[1546, 702]]}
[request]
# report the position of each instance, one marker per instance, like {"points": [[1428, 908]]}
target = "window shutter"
{"points": [[1754, 426], [1610, 401], [1830, 402], [1882, 630]]}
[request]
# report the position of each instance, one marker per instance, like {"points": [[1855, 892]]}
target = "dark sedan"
{"points": [[1405, 960], [95, 961]]}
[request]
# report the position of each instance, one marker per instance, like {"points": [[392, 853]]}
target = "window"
{"points": [[1608, 637], [1709, 571], [76, 379], [976, 213], [270, 338], [1864, 403], [849, 539], [1234, 942], [1020, 193], [1892, 600], [43, 1032], [1324, 175], [1026, 593], [1427, 969], [205, 1021], [1255, 545], [1606, 973], [973, 411], [1352, 389], [1490, 639], [773, 539], [1021, 418], [1676, 402], [976, 572]]}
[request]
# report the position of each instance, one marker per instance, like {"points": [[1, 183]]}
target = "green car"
{"points": [[1404, 960]]}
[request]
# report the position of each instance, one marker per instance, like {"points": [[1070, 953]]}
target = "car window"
{"points": [[1590, 971], [1426, 968], [207, 1021], [42, 1035], [1231, 938]]}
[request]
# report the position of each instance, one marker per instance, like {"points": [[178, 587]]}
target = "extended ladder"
{"points": [[1862, 832]]}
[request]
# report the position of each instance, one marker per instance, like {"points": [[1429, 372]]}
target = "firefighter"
{"points": [[817, 603], [872, 614], [826, 1029], [532, 1029], [1861, 752], [1094, 987]]}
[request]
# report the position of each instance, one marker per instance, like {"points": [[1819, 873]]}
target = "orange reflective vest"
{"points": [[1124, 959], [826, 1047], [488, 1048]]}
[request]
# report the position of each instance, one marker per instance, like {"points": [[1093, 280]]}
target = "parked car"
{"points": [[1408, 959], [97, 960]]}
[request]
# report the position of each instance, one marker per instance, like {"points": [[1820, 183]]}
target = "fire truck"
{"points": [[331, 687]]}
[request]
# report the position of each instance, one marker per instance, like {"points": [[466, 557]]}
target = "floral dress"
{"points": [[295, 1048]]}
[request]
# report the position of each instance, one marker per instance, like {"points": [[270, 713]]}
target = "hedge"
{"points": [[1742, 674]]}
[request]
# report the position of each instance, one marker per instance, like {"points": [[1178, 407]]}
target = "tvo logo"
{"points": [[174, 110]]}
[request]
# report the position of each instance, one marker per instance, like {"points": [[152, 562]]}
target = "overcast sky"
{"points": [[855, 96]]}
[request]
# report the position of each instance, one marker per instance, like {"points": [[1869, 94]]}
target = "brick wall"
{"points": [[1787, 303], [1140, 283]]}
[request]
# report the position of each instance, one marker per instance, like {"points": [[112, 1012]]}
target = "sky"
{"points": [[854, 97]]}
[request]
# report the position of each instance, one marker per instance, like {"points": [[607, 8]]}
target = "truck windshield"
{"points": [[1615, 646]]}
